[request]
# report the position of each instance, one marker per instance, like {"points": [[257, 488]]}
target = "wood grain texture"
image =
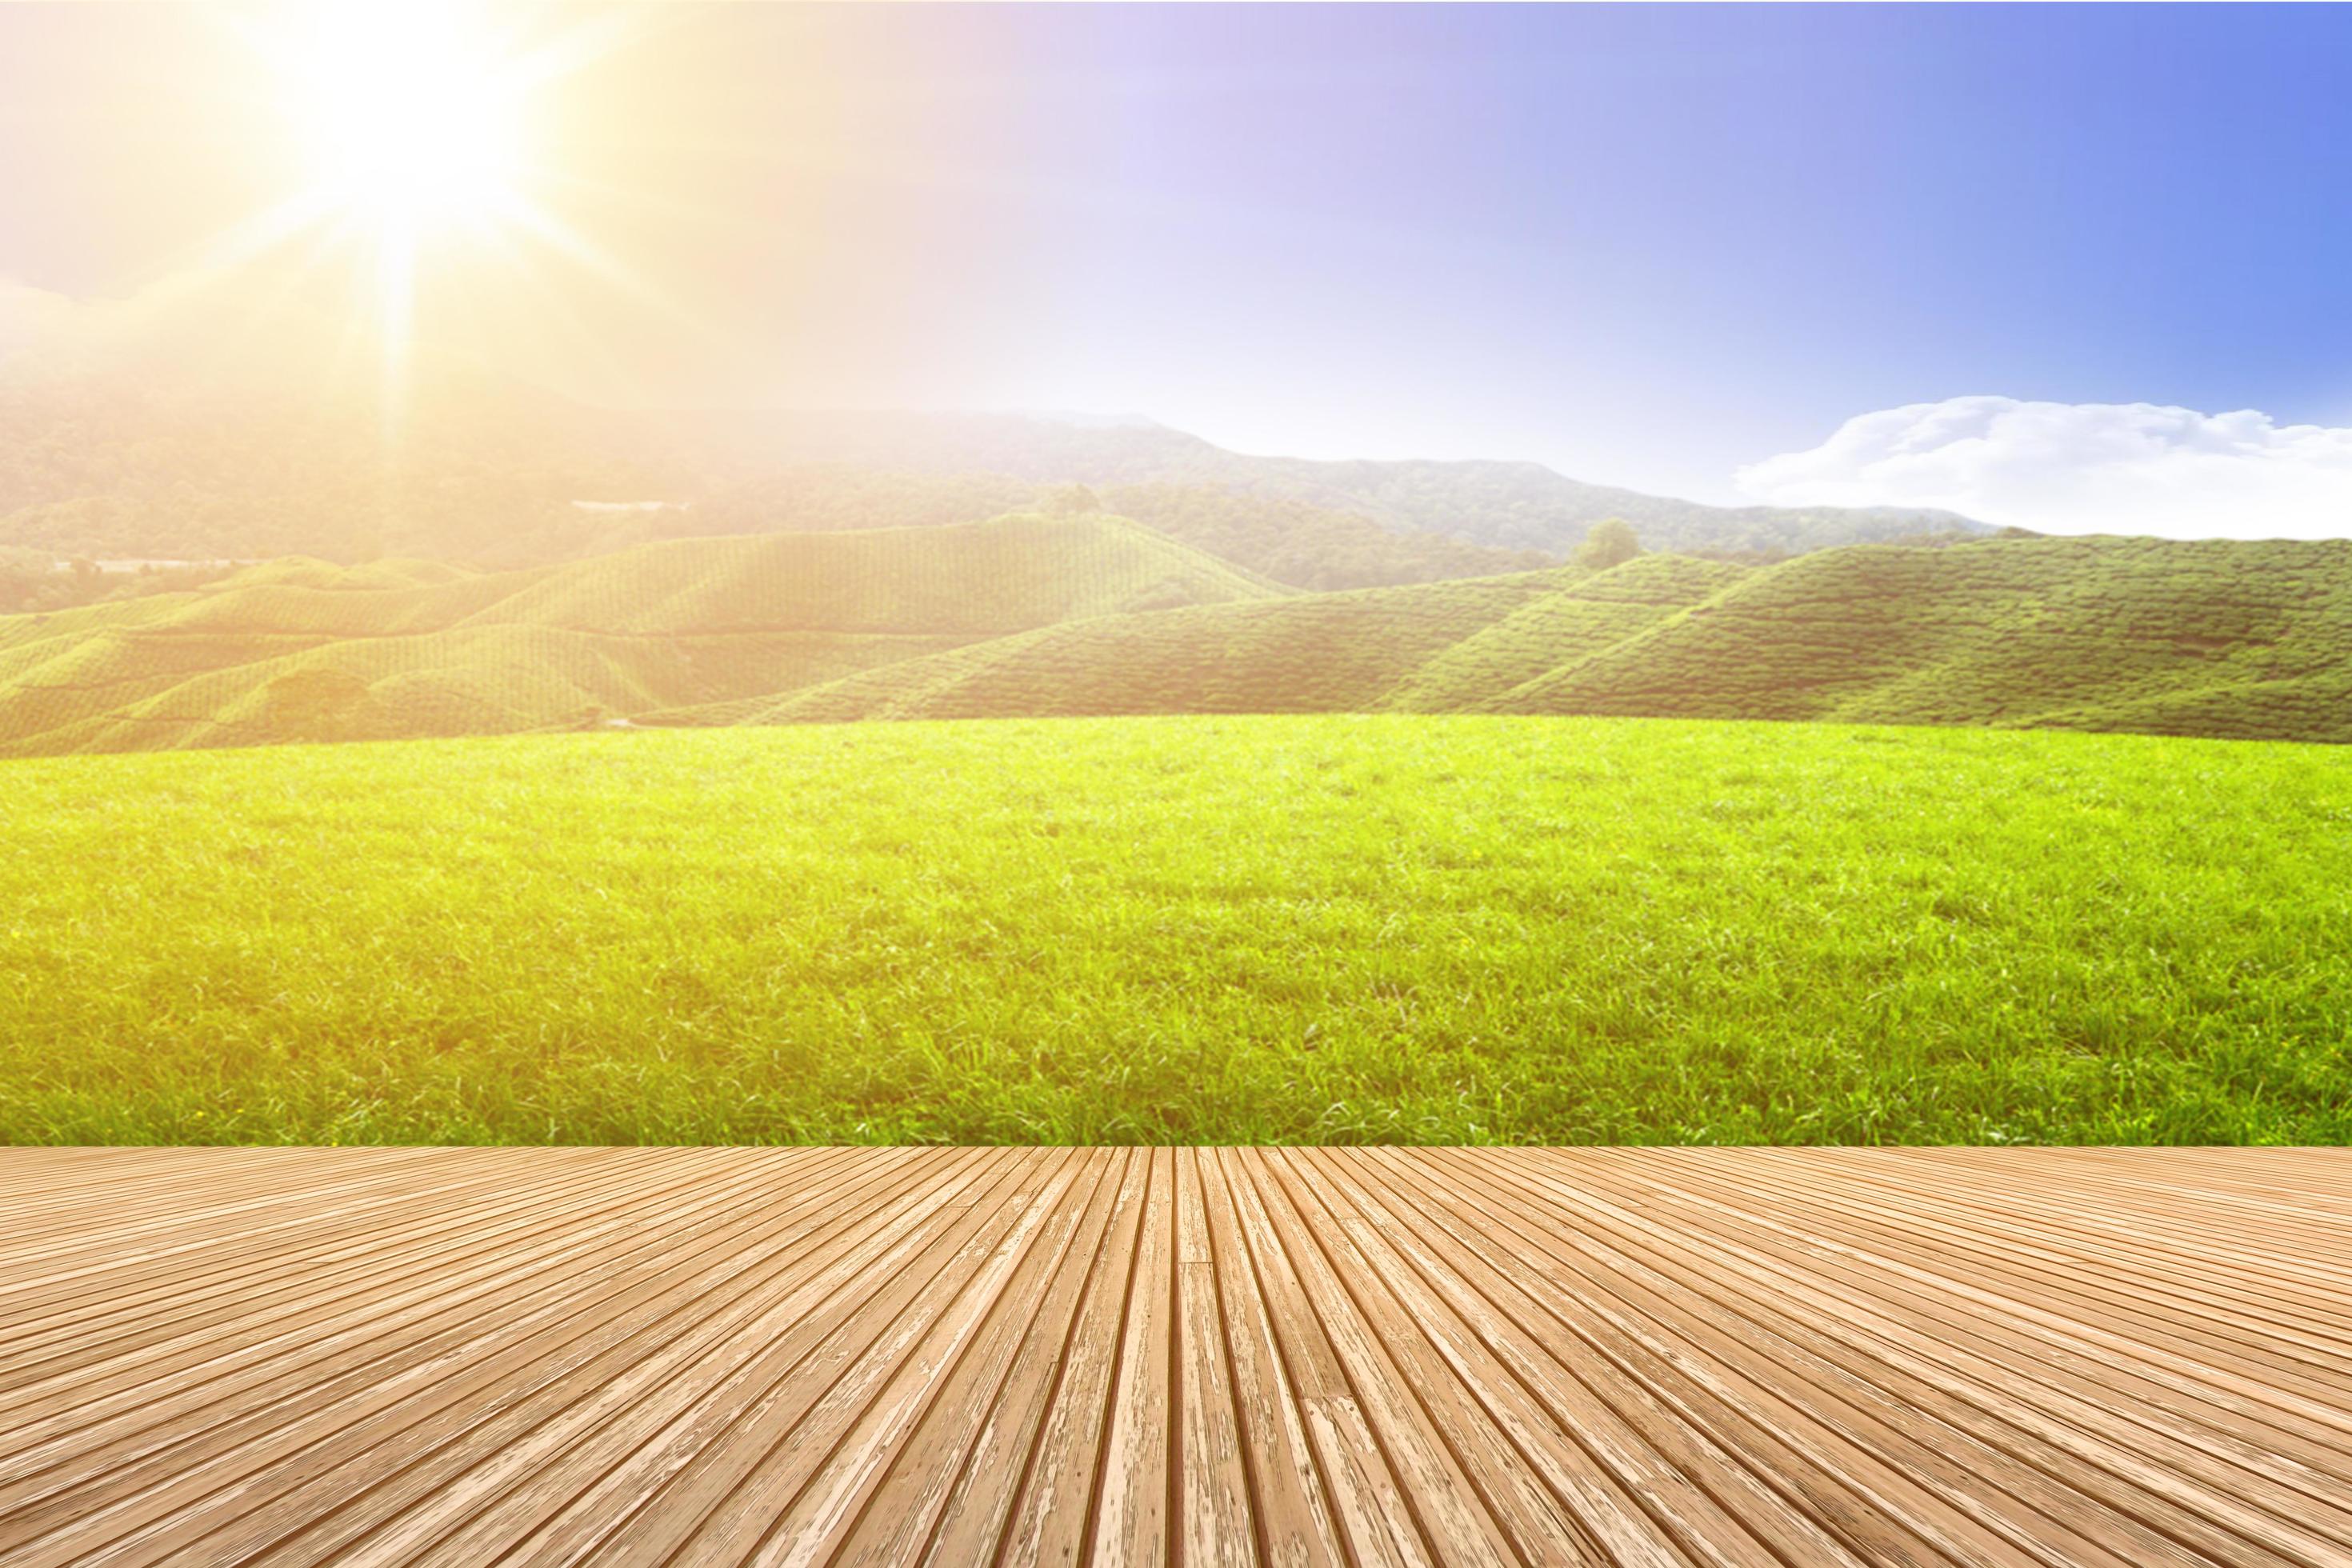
{"points": [[1751, 1357]]}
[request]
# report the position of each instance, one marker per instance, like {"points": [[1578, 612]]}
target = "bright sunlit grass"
{"points": [[1190, 930]]}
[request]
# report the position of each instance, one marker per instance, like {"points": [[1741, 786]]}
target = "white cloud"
{"points": [[2080, 468]]}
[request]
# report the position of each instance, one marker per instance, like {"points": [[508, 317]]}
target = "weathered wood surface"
{"points": [[1219, 1356]]}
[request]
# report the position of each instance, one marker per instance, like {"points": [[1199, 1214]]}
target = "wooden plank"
{"points": [[951, 1481], [1693, 1488], [687, 1432], [1374, 1519], [486, 1418], [1290, 1514], [1135, 1474], [1738, 1357], [1456, 1516], [275, 1441], [1055, 1512], [874, 1412]]}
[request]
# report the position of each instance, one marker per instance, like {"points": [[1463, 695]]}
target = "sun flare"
{"points": [[417, 127], [414, 122]]}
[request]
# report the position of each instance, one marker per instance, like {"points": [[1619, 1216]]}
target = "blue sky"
{"points": [[1647, 245], [1654, 243]]}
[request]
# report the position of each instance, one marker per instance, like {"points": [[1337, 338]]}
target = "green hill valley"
{"points": [[1433, 647], [302, 650], [1044, 615], [2245, 640]]}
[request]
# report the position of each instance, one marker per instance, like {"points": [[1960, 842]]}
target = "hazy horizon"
{"points": [[1801, 255]]}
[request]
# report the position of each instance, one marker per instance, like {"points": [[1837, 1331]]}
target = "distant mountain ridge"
{"points": [[284, 448], [1505, 505]]}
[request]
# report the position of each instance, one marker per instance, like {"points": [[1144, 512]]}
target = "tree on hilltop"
{"points": [[1611, 542]]}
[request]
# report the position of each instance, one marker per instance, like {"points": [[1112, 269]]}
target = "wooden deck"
{"points": [[1732, 1356]]}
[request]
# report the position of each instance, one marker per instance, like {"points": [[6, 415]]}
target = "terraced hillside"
{"points": [[2247, 640], [1291, 541], [297, 650], [1036, 614], [2215, 637], [1437, 647]]}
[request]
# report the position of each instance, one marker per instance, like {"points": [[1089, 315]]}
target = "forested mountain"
{"points": [[1503, 505], [280, 446], [1291, 541]]}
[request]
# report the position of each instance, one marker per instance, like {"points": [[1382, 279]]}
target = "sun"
{"points": [[413, 119], [421, 135]]}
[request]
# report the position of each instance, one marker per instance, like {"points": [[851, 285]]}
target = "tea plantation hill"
{"points": [[1045, 614], [2215, 637], [1292, 542], [1440, 647], [2251, 640], [294, 650]]}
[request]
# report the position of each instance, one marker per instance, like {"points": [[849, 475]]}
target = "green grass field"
{"points": [[1205, 929]]}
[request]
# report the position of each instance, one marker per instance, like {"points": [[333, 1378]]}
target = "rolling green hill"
{"points": [[1039, 614], [2247, 640], [1291, 541], [1431, 648], [2252, 640], [296, 649]]}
